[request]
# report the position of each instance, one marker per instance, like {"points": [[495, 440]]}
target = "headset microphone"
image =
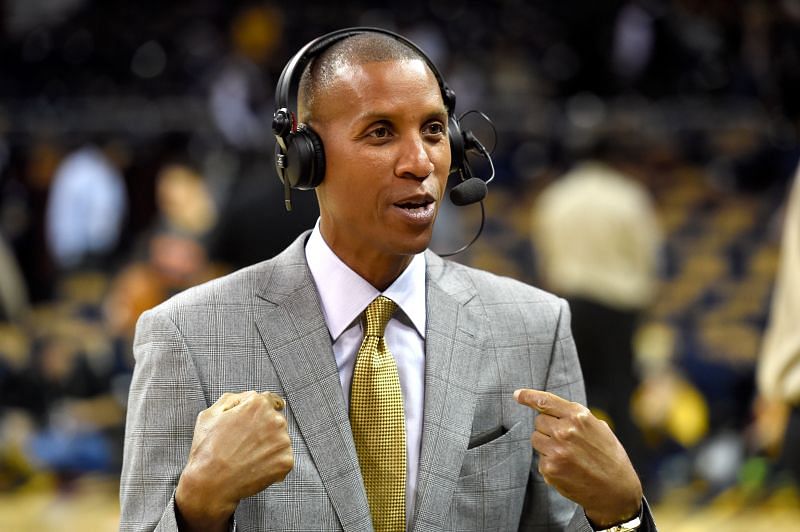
{"points": [[470, 191]]}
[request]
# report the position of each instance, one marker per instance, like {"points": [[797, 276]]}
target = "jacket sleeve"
{"points": [[164, 400]]}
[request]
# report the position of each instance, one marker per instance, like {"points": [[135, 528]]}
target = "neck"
{"points": [[377, 268], [381, 276], [379, 271]]}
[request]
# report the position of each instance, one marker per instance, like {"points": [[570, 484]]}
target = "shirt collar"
{"points": [[345, 294]]}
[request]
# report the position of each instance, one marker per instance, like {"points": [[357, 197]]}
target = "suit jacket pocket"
{"points": [[486, 437], [489, 448], [490, 492]]}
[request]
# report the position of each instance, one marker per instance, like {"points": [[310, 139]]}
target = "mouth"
{"points": [[413, 205], [417, 209]]}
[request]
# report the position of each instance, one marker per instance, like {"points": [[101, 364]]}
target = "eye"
{"points": [[380, 132], [434, 128]]}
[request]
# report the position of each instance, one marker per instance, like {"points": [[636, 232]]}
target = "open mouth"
{"points": [[415, 205], [418, 210]]}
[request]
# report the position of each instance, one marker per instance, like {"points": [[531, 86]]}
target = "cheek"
{"points": [[442, 174], [444, 159], [441, 160], [338, 178], [441, 177]]}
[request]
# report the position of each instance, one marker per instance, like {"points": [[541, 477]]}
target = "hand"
{"points": [[581, 458], [240, 447]]}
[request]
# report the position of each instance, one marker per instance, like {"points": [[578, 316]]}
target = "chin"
{"points": [[411, 245]]}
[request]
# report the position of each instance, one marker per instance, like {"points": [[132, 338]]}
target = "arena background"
{"points": [[160, 112]]}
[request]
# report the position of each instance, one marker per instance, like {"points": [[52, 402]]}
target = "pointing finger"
{"points": [[544, 402]]}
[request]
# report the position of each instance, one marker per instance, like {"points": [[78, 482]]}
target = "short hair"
{"points": [[320, 72]]}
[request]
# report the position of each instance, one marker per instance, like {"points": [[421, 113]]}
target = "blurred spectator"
{"points": [[14, 302], [132, 291], [23, 203], [599, 239], [179, 261], [87, 206], [184, 202], [239, 97], [779, 363], [60, 383], [58, 391], [14, 425], [633, 42], [254, 225], [173, 257]]}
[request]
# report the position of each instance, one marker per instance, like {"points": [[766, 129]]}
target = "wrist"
{"points": [[621, 506], [632, 521], [198, 506]]}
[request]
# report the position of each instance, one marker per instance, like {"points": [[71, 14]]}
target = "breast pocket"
{"points": [[486, 451], [491, 487]]}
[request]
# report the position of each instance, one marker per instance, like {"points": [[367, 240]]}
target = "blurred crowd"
{"points": [[644, 153]]}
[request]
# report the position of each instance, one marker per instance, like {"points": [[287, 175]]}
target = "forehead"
{"points": [[381, 87]]}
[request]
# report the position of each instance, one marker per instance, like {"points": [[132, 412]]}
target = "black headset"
{"points": [[299, 154]]}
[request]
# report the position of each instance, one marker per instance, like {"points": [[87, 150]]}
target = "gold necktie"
{"points": [[378, 422]]}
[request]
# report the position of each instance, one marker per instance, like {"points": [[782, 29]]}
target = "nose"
{"points": [[414, 161]]}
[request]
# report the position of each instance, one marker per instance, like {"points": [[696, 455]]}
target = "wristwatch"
{"points": [[627, 526]]}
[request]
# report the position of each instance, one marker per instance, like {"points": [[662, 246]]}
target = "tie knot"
{"points": [[379, 312]]}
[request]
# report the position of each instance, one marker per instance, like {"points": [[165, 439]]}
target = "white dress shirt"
{"points": [[345, 295]]}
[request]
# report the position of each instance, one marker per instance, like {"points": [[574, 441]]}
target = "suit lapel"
{"points": [[297, 340], [453, 345]]}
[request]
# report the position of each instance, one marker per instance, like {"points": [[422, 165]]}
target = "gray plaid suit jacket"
{"points": [[262, 328]]}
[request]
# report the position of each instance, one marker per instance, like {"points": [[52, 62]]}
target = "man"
{"points": [[598, 238], [778, 375], [265, 359]]}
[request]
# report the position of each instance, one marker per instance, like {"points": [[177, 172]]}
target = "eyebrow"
{"points": [[379, 116]]}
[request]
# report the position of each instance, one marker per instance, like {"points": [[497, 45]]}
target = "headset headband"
{"points": [[290, 78]]}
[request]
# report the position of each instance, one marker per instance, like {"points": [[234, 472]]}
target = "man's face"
{"points": [[384, 129]]}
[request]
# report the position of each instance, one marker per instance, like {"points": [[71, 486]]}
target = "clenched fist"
{"points": [[581, 458], [240, 447]]}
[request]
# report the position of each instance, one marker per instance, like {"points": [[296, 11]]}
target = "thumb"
{"points": [[277, 401]]}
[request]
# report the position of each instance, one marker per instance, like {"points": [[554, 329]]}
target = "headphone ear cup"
{"points": [[457, 151], [305, 159]]}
